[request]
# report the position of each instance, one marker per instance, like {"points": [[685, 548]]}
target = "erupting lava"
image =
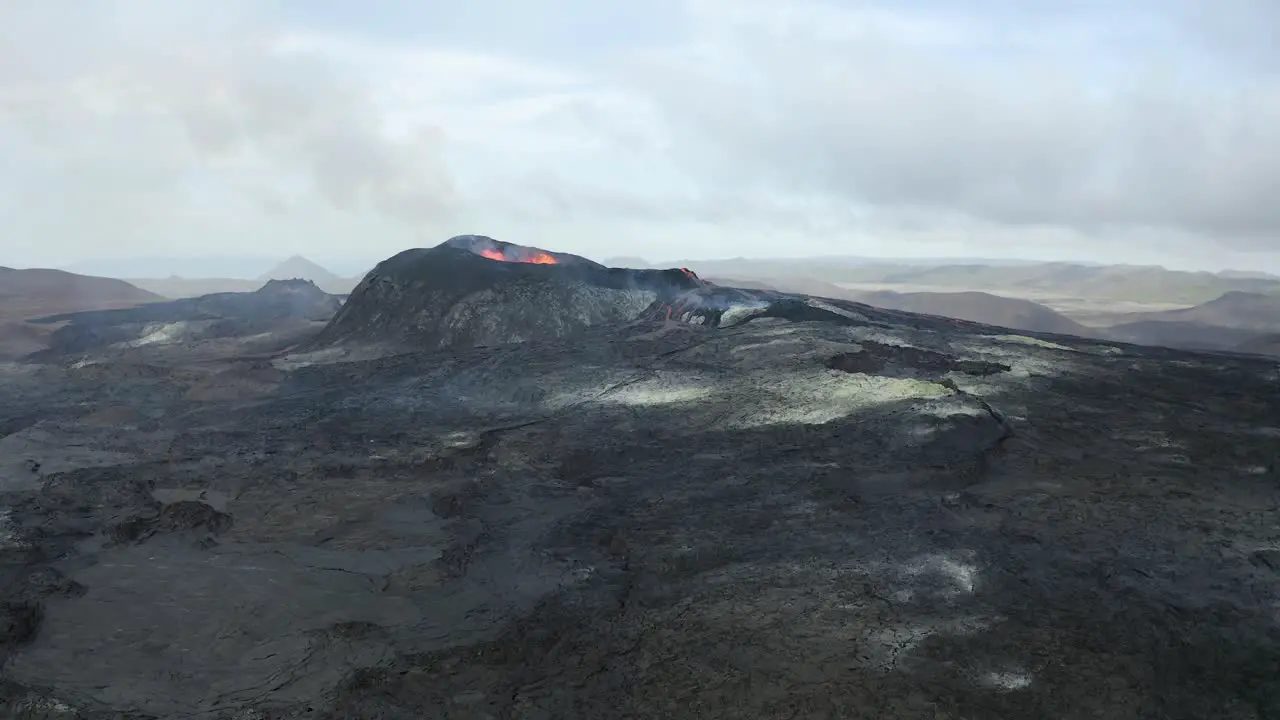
{"points": [[539, 258]]}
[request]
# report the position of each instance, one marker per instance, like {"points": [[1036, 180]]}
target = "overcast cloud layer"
{"points": [[679, 128]]}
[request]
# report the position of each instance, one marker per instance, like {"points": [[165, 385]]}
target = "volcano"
{"points": [[473, 290]]}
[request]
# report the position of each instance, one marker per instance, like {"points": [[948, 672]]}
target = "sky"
{"points": [[1140, 132]]}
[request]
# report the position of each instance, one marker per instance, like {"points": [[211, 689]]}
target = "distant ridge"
{"points": [[1235, 309], [243, 267], [1248, 275], [794, 284], [299, 268], [981, 307], [1262, 345], [1128, 283], [61, 288], [629, 261]]}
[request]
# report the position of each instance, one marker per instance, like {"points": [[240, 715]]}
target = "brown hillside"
{"points": [[35, 292], [980, 307]]}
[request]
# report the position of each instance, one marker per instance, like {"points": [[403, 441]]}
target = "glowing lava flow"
{"points": [[540, 258]]}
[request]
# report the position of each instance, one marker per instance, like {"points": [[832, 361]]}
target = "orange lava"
{"points": [[538, 259]]}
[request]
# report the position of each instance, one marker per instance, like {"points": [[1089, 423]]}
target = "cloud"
{"points": [[920, 114], [696, 128], [134, 120], [153, 127], [1241, 32]]}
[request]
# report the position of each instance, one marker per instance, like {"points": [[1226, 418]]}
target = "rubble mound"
{"points": [[473, 290]]}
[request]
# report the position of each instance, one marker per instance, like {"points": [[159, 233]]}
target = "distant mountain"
{"points": [[825, 269], [1114, 282], [1225, 323], [1186, 335], [298, 267], [626, 261], [741, 283], [242, 267], [1236, 309], [1129, 283], [843, 261], [935, 261], [981, 307], [801, 285], [25, 293], [177, 287], [294, 268], [1247, 274], [177, 277]]}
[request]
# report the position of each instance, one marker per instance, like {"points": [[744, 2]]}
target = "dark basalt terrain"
{"points": [[731, 504], [280, 308]]}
